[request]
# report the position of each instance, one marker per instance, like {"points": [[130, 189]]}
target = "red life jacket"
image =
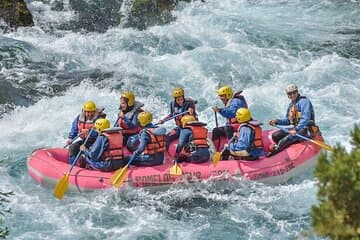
{"points": [[233, 120], [115, 150], [255, 126], [130, 115], [199, 134], [156, 144], [89, 123], [187, 104]]}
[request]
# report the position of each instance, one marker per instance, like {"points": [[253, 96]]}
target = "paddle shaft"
{"points": [[176, 115], [79, 153], [298, 135], [216, 120]]}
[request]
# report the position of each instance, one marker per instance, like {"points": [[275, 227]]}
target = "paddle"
{"points": [[73, 141], [319, 143], [176, 169], [62, 185], [217, 156], [168, 119], [119, 176]]}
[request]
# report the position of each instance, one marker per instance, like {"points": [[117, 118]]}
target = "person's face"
{"points": [[293, 95], [180, 100], [123, 105], [89, 115], [223, 99]]}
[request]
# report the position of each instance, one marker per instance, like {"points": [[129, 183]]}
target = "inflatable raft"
{"points": [[48, 165]]}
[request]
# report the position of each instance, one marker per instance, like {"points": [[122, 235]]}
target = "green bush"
{"points": [[4, 199], [337, 215]]}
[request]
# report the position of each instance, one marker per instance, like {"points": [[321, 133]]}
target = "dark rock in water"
{"points": [[15, 13]]}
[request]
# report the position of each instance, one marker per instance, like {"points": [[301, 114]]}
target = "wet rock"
{"points": [[15, 13]]}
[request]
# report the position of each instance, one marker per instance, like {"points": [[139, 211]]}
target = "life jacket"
{"points": [[84, 123], [156, 144], [256, 127], [115, 150], [199, 134], [294, 115], [187, 104], [241, 97], [130, 115]]}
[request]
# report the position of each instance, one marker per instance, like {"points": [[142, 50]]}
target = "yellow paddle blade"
{"points": [[119, 176], [216, 158], [61, 187], [321, 144], [176, 170]]}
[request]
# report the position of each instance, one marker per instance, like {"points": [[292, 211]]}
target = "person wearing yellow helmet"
{"points": [[231, 102], [151, 148], [300, 116], [247, 142], [179, 104], [81, 126], [106, 154], [192, 146], [127, 117]]}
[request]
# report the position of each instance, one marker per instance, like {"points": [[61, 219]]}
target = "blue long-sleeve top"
{"points": [[229, 111], [244, 142], [186, 136], [175, 108], [144, 139], [304, 106], [74, 128], [131, 122]]}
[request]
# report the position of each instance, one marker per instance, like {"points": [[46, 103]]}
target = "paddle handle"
{"points": [[79, 153], [176, 115], [216, 120]]}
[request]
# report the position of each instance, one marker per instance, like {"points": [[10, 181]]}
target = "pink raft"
{"points": [[48, 165]]}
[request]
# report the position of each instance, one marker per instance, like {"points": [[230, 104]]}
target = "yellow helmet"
{"points": [[178, 92], [145, 118], [186, 119], [89, 106], [243, 115], [225, 90], [101, 124], [130, 97]]}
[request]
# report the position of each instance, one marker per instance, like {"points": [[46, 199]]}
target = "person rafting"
{"points": [[192, 146], [232, 103], [106, 154], [80, 127], [179, 104], [129, 110], [151, 148], [247, 142], [300, 116]]}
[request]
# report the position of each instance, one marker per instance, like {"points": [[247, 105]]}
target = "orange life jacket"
{"points": [[115, 150], [156, 144], [255, 126], [233, 120], [199, 135], [294, 115]]}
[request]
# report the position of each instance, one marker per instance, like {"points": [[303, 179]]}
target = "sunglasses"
{"points": [[292, 93]]}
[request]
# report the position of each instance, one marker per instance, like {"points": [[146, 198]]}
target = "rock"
{"points": [[15, 13]]}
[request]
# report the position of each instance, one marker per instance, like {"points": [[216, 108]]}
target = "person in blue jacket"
{"points": [[232, 102], [106, 154], [180, 104], [192, 145], [247, 142], [300, 116], [81, 126], [151, 148]]}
